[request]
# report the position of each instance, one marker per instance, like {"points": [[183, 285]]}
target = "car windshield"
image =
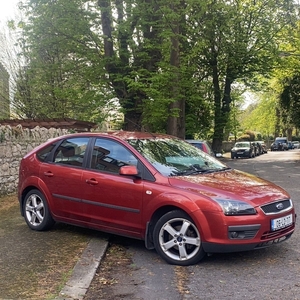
{"points": [[242, 145], [174, 157]]}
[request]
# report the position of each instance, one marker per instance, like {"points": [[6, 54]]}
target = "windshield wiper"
{"points": [[223, 169], [192, 172]]}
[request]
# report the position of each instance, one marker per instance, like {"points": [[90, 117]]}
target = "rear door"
{"points": [[63, 177]]}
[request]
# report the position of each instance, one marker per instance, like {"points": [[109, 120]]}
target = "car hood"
{"points": [[231, 185]]}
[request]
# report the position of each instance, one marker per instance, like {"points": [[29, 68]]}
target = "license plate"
{"points": [[281, 222], [240, 152]]}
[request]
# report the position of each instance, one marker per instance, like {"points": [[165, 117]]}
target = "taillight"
{"points": [[205, 148]]}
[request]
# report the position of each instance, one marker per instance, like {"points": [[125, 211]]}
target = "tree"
{"points": [[9, 59], [288, 81], [237, 40], [170, 64], [262, 115], [59, 78], [290, 100]]}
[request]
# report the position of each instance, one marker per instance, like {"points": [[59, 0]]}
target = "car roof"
{"points": [[121, 134], [195, 141]]}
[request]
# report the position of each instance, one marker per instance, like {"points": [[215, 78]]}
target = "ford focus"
{"points": [[158, 188]]}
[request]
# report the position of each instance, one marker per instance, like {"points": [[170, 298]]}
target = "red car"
{"points": [[158, 188]]}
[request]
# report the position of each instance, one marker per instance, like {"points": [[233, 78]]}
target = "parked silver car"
{"points": [[296, 144], [243, 149]]}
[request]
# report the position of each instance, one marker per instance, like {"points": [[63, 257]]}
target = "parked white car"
{"points": [[296, 144]]}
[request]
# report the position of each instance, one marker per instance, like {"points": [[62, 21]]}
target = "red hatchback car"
{"points": [[158, 188]]}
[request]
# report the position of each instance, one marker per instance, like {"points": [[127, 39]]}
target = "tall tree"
{"points": [[261, 116], [60, 51], [238, 41], [170, 64]]}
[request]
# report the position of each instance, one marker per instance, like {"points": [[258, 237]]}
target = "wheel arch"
{"points": [[23, 194], [34, 184], [155, 217]]}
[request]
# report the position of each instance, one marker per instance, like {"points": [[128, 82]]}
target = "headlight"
{"points": [[233, 207]]}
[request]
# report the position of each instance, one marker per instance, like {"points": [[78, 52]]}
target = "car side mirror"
{"points": [[129, 170]]}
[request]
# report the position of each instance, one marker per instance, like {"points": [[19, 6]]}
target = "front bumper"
{"points": [[222, 233], [267, 240], [241, 154]]}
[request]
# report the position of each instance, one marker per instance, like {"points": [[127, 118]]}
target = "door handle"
{"points": [[48, 174], [92, 181]]}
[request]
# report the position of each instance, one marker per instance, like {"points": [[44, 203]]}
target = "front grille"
{"points": [[274, 234], [271, 208], [270, 243]]}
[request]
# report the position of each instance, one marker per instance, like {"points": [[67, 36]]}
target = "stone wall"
{"points": [[15, 142]]}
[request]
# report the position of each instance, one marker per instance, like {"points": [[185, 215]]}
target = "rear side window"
{"points": [[43, 154], [71, 151]]}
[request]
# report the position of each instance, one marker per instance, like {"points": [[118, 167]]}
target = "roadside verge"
{"points": [[84, 271]]}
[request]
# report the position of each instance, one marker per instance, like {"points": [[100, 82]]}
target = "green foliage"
{"points": [[2, 137], [290, 101], [261, 116], [171, 65], [61, 78]]}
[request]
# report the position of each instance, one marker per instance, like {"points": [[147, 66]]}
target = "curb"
{"points": [[84, 271]]}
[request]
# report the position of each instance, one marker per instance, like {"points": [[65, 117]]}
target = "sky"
{"points": [[8, 9]]}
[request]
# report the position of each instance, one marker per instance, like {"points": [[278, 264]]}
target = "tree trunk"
{"points": [[222, 110], [218, 127], [132, 121], [176, 119]]}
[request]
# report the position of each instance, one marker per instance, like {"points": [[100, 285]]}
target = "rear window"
{"points": [[198, 145], [281, 140]]}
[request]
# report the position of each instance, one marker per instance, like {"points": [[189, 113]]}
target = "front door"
{"points": [[113, 202]]}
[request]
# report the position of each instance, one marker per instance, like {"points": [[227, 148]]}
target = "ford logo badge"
{"points": [[279, 206]]}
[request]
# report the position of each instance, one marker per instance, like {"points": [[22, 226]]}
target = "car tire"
{"points": [[232, 156], [177, 239], [36, 211]]}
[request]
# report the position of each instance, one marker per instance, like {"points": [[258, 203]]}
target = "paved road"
{"points": [[272, 273]]}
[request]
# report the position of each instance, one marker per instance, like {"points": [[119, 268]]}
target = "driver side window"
{"points": [[110, 156]]}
